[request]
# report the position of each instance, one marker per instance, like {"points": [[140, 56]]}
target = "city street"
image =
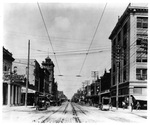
{"points": [[75, 62], [70, 112]]}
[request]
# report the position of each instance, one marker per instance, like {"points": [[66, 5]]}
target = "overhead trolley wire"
{"points": [[48, 36], [92, 38], [74, 51]]}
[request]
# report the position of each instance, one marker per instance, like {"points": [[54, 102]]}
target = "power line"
{"points": [[48, 36], [54, 38], [92, 39], [78, 53], [74, 51]]}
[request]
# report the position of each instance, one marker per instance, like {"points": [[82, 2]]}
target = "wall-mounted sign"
{"points": [[13, 78]]}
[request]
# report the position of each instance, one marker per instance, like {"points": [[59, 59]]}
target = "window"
{"points": [[119, 36], [125, 43], [137, 90], [142, 22], [125, 29], [114, 80], [5, 68], [144, 91], [138, 42], [141, 56], [145, 23], [124, 76], [141, 74], [141, 52], [141, 41], [114, 42]]}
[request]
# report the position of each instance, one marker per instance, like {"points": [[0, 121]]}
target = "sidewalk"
{"points": [[140, 113], [17, 113], [18, 108]]}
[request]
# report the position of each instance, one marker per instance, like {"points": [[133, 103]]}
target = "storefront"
{"points": [[12, 89], [31, 96]]}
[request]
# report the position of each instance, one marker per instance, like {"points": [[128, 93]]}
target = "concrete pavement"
{"points": [[140, 113]]}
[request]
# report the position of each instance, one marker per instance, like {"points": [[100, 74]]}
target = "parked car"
{"points": [[105, 103], [53, 103], [42, 102]]}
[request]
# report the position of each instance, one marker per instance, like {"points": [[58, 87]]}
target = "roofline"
{"points": [[129, 9]]}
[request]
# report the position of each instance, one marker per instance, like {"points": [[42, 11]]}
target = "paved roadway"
{"points": [[70, 112], [74, 113]]}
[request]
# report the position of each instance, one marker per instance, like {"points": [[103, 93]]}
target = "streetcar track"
{"points": [[80, 109], [48, 118], [65, 110], [75, 113], [38, 120]]}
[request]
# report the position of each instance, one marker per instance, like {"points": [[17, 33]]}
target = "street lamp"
{"points": [[78, 76], [60, 75]]}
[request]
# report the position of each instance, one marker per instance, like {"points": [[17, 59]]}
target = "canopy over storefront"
{"points": [[23, 90], [141, 98]]}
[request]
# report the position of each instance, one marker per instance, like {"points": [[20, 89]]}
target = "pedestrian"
{"points": [[110, 104], [123, 104], [138, 106], [132, 100]]}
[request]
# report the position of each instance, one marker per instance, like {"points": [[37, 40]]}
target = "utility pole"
{"points": [[83, 90], [27, 80], [117, 88], [100, 91], [117, 76]]}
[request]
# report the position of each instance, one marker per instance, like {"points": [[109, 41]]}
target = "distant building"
{"points": [[53, 87], [105, 82], [34, 78], [54, 91], [129, 40], [49, 65], [61, 96], [44, 81]]}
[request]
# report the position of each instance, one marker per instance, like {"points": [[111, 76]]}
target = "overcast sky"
{"points": [[71, 28]]}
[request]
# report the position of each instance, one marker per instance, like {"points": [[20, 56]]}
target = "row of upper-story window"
{"points": [[142, 22], [141, 74], [141, 47], [141, 41]]}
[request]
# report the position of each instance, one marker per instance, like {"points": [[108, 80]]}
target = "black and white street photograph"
{"points": [[74, 62]]}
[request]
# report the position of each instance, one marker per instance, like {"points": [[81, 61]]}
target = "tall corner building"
{"points": [[129, 46]]}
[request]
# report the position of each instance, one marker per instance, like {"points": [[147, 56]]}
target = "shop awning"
{"points": [[141, 98], [23, 90]]}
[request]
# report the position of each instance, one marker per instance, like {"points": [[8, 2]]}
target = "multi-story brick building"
{"points": [[49, 65], [44, 81], [129, 40], [105, 83]]}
